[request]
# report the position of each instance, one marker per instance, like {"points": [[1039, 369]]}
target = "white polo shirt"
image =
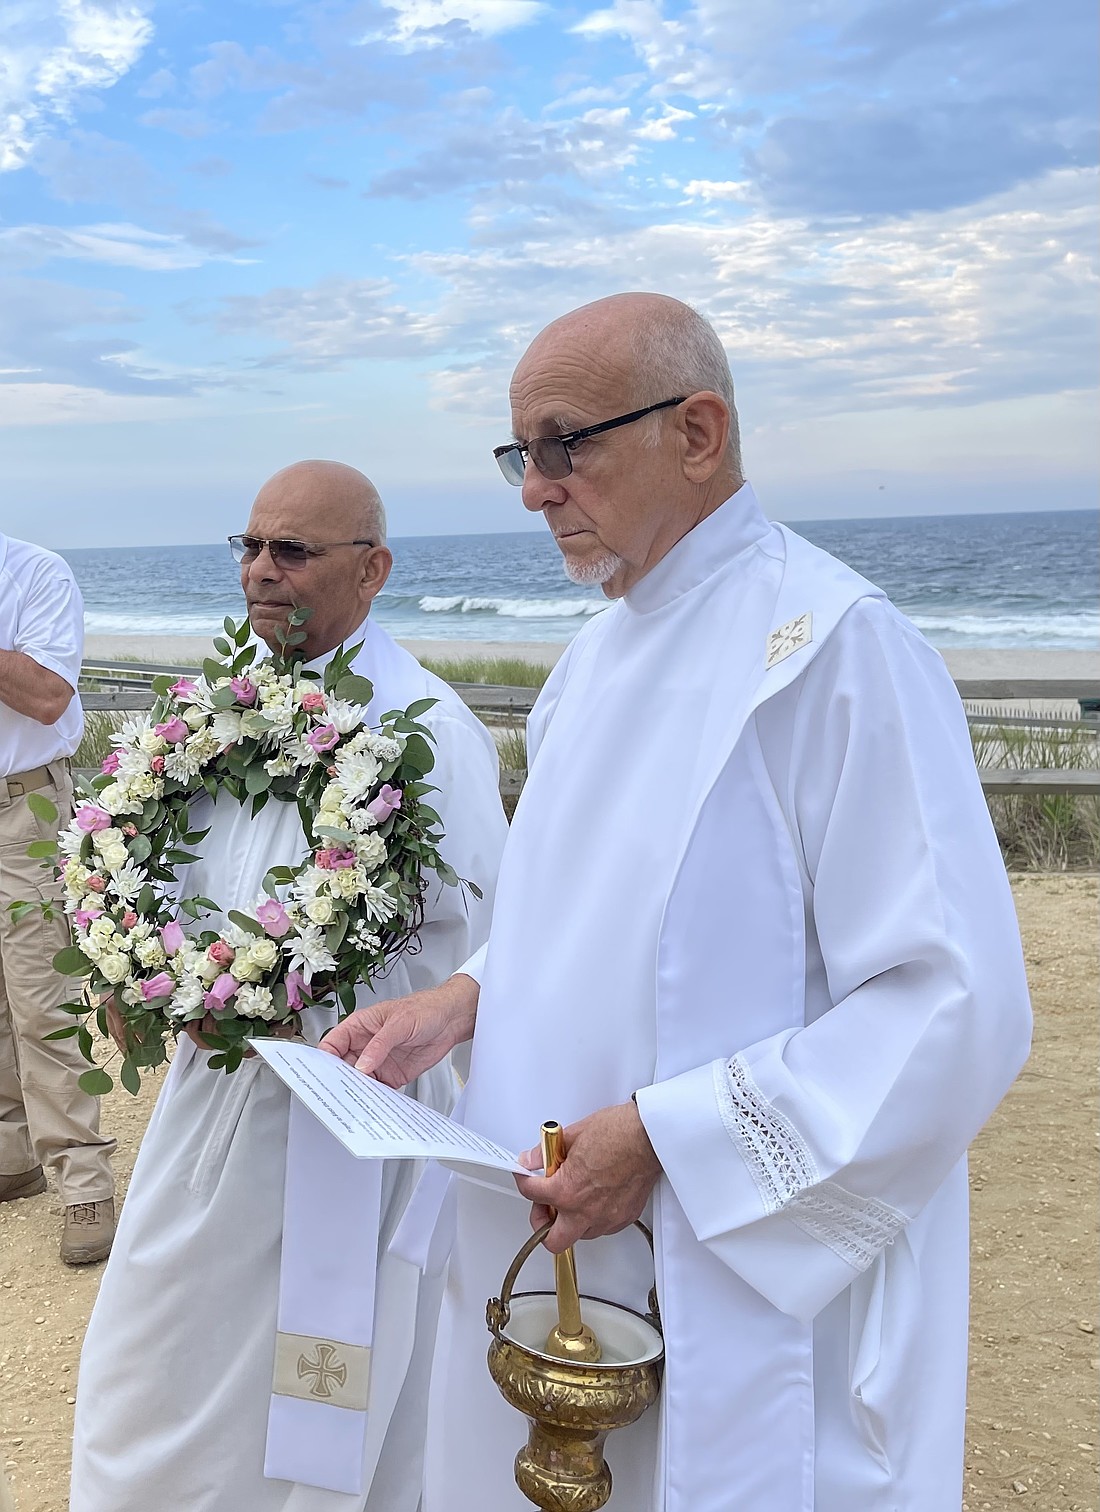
{"points": [[42, 615]]}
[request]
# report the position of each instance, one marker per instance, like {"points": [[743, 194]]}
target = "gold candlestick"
{"points": [[570, 1338]]}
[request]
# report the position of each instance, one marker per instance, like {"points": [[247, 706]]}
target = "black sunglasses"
{"points": [[550, 454], [246, 548]]}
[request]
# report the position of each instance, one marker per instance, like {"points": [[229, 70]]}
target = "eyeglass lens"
{"points": [[283, 553], [548, 453]]}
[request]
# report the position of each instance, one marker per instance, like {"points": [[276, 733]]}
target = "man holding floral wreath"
{"points": [[254, 1346]]}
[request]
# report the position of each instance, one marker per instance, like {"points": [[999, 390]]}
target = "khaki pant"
{"points": [[6, 1503], [44, 1116]]}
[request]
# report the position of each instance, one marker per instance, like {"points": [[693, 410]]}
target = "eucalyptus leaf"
{"points": [[41, 850], [222, 646], [72, 962], [96, 1082], [257, 779], [130, 1077], [140, 848], [41, 807], [244, 922], [355, 689], [212, 670]]}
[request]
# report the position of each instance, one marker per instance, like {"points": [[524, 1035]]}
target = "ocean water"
{"points": [[972, 580]]}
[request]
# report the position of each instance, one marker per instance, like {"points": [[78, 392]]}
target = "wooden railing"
{"points": [[126, 685]]}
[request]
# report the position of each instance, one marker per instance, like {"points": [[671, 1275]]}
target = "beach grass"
{"points": [[489, 671], [1043, 831]]}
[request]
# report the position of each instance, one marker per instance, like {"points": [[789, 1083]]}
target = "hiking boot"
{"points": [[24, 1184], [88, 1233]]}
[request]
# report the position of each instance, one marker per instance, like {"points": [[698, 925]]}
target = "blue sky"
{"points": [[240, 232]]}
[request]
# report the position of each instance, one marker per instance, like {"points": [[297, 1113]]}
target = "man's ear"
{"points": [[703, 421], [377, 564]]}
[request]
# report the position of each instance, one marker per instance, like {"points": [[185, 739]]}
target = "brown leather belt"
{"points": [[29, 782]]}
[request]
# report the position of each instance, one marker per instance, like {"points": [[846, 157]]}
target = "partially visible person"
{"points": [[176, 1408], [45, 1118]]}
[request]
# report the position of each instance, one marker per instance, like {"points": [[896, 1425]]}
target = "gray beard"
{"points": [[594, 572]]}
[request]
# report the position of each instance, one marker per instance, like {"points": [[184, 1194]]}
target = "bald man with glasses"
{"points": [[176, 1411]]}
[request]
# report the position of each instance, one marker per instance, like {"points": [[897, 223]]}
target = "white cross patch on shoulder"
{"points": [[789, 638]]}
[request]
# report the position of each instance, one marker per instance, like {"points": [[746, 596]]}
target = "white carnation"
{"points": [[385, 747], [149, 953], [348, 882], [371, 850]]}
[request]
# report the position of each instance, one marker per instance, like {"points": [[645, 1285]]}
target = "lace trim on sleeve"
{"points": [[775, 1153], [853, 1227]]}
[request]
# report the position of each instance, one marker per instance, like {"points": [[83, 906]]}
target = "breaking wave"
{"points": [[512, 608]]}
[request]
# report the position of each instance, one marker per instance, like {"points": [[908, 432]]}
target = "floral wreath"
{"points": [[257, 730]]}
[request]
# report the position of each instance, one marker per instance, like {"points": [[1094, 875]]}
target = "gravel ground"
{"points": [[1033, 1429]]}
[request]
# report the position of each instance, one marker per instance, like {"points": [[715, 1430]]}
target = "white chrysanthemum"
{"points": [[344, 716], [188, 995], [226, 727], [378, 904], [357, 773], [126, 882], [130, 730], [310, 881], [69, 841], [134, 761], [182, 765], [308, 953], [254, 1002], [300, 752]]}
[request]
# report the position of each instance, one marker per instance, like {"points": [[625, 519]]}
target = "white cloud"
{"points": [[662, 128], [120, 246], [709, 190], [70, 404], [418, 18], [53, 54]]}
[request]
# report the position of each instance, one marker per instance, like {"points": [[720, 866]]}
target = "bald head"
{"points": [[618, 498], [336, 511], [319, 495], [659, 345]]}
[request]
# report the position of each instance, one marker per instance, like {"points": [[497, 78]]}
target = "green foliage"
{"points": [[489, 671], [41, 807], [1043, 831]]}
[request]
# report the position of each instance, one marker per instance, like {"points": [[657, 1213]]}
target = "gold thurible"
{"points": [[570, 1338]]}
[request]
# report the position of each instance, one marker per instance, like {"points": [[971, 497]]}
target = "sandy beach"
{"points": [[1032, 1425]]}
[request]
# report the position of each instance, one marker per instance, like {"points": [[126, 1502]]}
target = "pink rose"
{"points": [[244, 689], [96, 884], [91, 818], [171, 937], [334, 859], [84, 916], [389, 799], [314, 703], [295, 981], [183, 687], [223, 989], [129, 830], [222, 953], [272, 915], [162, 985], [174, 731], [111, 761], [157, 765], [323, 738], [129, 919]]}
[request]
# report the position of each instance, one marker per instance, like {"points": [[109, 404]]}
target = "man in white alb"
{"points": [[45, 1119], [753, 945], [176, 1410]]}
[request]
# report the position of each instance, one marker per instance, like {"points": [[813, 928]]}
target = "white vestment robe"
{"points": [[176, 1370], [752, 878]]}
